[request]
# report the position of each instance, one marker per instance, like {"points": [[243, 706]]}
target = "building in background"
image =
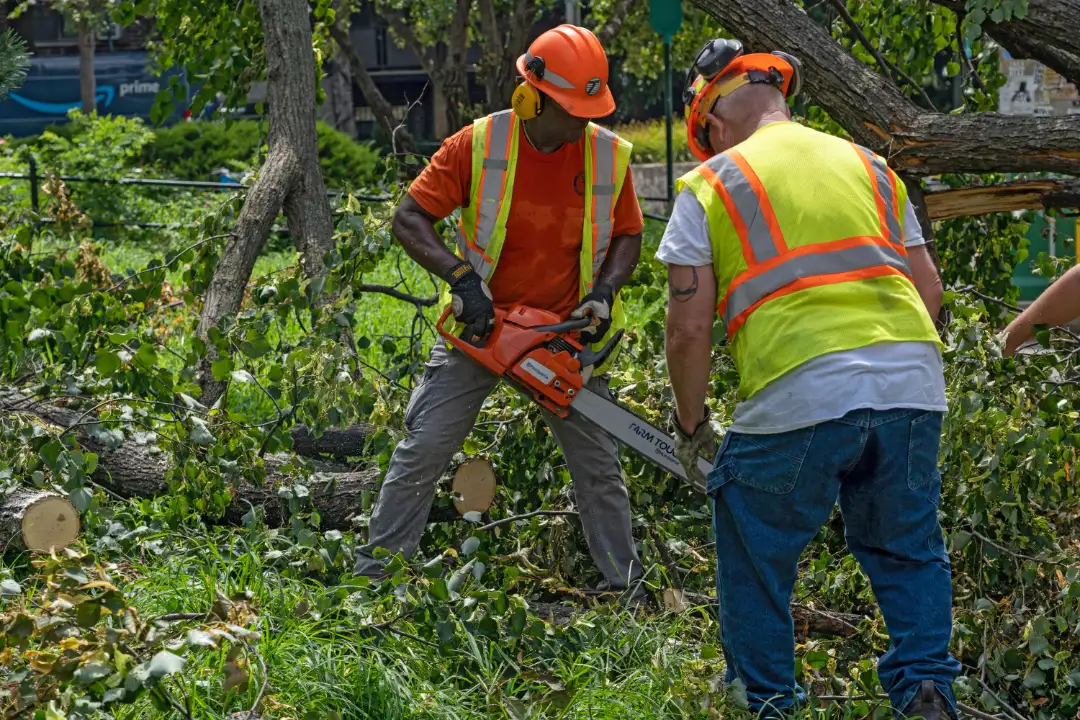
{"points": [[1033, 89]]}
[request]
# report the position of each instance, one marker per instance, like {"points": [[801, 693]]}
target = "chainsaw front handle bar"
{"points": [[566, 326]]}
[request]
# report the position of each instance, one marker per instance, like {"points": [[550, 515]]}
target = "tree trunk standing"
{"points": [[37, 520], [505, 37], [877, 115], [87, 82], [445, 65], [380, 107], [290, 179], [339, 95], [1047, 34]]}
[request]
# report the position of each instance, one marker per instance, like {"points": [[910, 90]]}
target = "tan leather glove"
{"points": [[688, 448]]}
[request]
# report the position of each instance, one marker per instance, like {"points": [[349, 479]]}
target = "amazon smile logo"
{"points": [[104, 96]]}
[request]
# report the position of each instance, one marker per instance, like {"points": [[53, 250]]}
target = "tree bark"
{"points": [[290, 180], [1047, 34], [445, 65], [504, 40], [339, 95], [87, 81], [619, 13], [400, 137], [878, 116], [345, 443], [1006, 197], [37, 520], [134, 470]]}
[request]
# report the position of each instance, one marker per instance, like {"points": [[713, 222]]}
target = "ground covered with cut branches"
{"points": [[191, 604]]}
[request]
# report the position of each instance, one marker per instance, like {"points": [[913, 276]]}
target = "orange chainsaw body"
{"points": [[542, 362]]}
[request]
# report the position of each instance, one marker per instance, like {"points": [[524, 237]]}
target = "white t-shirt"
{"points": [[881, 377]]}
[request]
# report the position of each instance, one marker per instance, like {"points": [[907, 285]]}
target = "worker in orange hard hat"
{"points": [[806, 247], [549, 219]]}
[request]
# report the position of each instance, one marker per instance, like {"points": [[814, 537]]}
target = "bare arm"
{"points": [[691, 309], [1059, 304], [926, 278], [621, 260], [414, 228]]}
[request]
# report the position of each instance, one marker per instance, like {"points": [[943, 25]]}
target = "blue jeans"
{"points": [[770, 496]]}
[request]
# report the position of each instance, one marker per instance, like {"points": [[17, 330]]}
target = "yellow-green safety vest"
{"points": [[482, 225], [808, 250]]}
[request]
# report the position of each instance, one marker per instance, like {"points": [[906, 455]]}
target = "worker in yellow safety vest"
{"points": [[548, 219], [806, 248]]}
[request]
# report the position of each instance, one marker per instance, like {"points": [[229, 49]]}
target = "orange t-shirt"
{"points": [[538, 265]]}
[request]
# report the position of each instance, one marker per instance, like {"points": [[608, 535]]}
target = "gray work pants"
{"points": [[440, 415]]}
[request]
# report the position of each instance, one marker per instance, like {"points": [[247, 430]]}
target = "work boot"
{"points": [[929, 704]]}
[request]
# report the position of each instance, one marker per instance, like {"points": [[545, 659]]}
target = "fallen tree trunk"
{"points": [[344, 443], [1006, 197], [880, 117], [37, 520], [134, 470]]}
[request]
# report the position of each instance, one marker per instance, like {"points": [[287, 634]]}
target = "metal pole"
{"points": [[668, 111], [33, 184]]}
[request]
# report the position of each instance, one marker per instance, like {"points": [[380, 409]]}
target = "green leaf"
{"points": [[107, 363], [221, 368], [200, 638], [90, 461], [1037, 644], [439, 590], [88, 614], [199, 434], [92, 672], [1035, 678], [243, 377], [81, 498], [10, 587], [817, 659], [165, 663], [145, 357], [77, 575], [470, 545], [959, 540]]}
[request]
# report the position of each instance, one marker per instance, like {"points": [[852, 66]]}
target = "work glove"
{"points": [[597, 305], [690, 447], [471, 303]]}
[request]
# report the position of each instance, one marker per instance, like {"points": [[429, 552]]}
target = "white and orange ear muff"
{"points": [[720, 69]]}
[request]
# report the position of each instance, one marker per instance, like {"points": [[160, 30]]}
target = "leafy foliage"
{"points": [[196, 150], [14, 62]]}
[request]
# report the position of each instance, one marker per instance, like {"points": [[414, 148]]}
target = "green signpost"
{"points": [[665, 16]]}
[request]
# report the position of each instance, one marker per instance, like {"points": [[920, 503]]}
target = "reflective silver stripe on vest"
{"points": [[555, 79], [603, 190], [885, 190], [747, 205], [495, 165], [859, 257]]}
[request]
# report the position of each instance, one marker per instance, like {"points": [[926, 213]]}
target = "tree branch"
{"points": [[880, 117], [526, 516], [386, 290], [619, 12], [886, 67]]}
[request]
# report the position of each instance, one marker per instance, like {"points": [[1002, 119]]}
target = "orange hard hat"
{"points": [[720, 69], [569, 65]]}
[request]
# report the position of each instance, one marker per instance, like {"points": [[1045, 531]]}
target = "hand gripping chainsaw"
{"points": [[544, 358]]}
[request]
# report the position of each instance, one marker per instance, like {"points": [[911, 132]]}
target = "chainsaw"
{"points": [[544, 358]]}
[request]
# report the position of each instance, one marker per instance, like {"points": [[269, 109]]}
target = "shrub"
{"points": [[650, 143], [194, 150]]}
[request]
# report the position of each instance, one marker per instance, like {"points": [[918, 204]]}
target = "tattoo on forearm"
{"points": [[684, 294]]}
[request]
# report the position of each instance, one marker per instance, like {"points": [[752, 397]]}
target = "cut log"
{"points": [[39, 521], [880, 117], [344, 443], [1006, 197], [134, 470], [474, 486]]}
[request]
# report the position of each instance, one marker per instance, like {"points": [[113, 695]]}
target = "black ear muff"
{"points": [[796, 76], [536, 66], [717, 55]]}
